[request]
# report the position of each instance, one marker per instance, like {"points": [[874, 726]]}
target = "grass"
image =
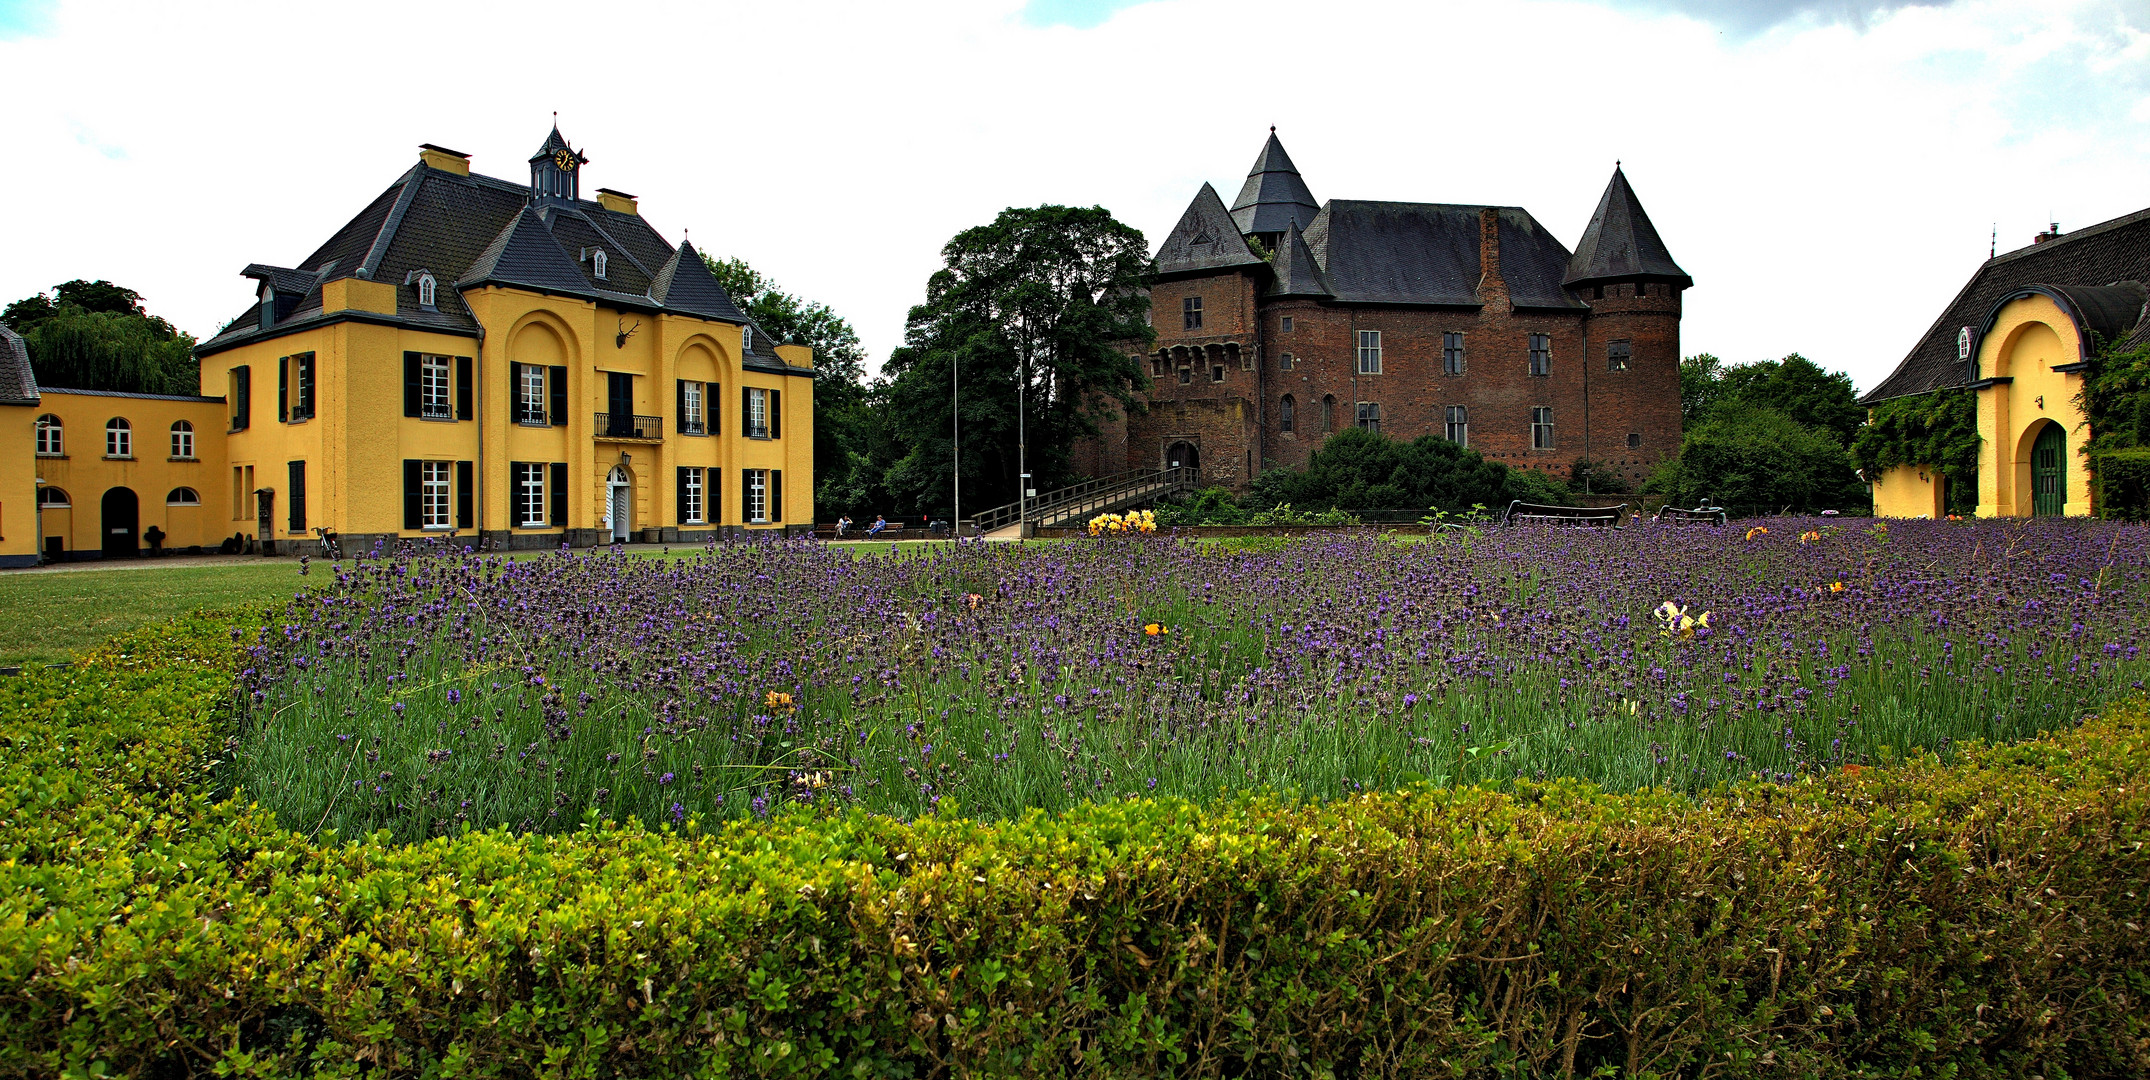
{"points": [[45, 617]]}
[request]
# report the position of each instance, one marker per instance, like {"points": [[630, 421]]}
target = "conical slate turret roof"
{"points": [[1297, 272], [1274, 193], [1206, 238], [1621, 242]]}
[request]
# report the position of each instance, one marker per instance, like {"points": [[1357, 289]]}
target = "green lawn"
{"points": [[44, 618]]}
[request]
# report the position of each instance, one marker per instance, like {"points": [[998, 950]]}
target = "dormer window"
{"points": [[268, 305], [427, 291], [746, 339], [597, 264]]}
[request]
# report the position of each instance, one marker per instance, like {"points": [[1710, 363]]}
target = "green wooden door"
{"points": [[2049, 472]]}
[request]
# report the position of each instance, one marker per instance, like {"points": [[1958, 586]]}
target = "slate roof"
{"points": [[684, 283], [1274, 194], [18, 384], [472, 230], [1297, 272], [2107, 253], [1206, 238], [1620, 242], [1427, 253]]}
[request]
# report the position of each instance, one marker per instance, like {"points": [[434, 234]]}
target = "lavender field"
{"points": [[428, 693]]}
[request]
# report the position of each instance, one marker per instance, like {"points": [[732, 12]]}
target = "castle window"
{"points": [[1541, 354], [1191, 312], [183, 496], [597, 264], [1369, 416], [1284, 362], [1285, 409], [182, 441], [428, 291], [1216, 373], [52, 498], [1459, 425], [1186, 374], [49, 431], [1617, 354], [1541, 427], [1369, 352], [1328, 412], [1634, 440], [1159, 365], [1287, 324], [1452, 353], [119, 438]]}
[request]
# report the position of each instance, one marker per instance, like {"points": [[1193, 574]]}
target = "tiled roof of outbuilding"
{"points": [[18, 384], [2104, 254], [471, 230], [1427, 253]]}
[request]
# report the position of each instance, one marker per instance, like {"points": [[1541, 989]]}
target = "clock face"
{"points": [[565, 159]]}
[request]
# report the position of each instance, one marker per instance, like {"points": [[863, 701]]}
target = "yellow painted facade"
{"points": [[19, 537], [2020, 395], [112, 467], [1909, 491]]}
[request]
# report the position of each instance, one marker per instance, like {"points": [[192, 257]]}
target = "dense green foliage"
{"points": [[842, 400], [1937, 430], [2116, 400], [1976, 920], [94, 335], [1365, 471], [1052, 292], [1763, 438]]}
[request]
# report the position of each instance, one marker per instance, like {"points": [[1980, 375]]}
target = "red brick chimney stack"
{"points": [[1492, 287]]}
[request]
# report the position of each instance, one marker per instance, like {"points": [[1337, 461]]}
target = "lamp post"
{"points": [[955, 436], [1022, 450]]}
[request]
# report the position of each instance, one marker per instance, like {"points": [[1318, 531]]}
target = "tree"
{"points": [[841, 416], [1758, 461], [1798, 388], [94, 335], [1045, 306], [1364, 471]]}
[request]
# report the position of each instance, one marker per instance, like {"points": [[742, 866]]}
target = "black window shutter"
{"points": [[242, 409], [746, 496], [462, 388], [557, 379], [559, 493], [713, 496], [681, 505], [413, 516], [283, 389], [466, 494], [679, 417], [712, 408], [776, 494], [298, 497], [410, 386], [515, 394], [776, 414], [746, 411]]}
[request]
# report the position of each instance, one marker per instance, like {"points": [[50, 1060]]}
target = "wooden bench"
{"points": [[892, 531], [1700, 515], [1523, 513]]}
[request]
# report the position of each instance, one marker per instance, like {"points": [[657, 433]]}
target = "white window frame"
{"points": [[696, 510], [119, 438], [695, 393], [1459, 425], [51, 437], [1541, 427], [1369, 352], [531, 394], [433, 494], [757, 413], [182, 440], [597, 263], [757, 496], [530, 494], [183, 500], [746, 340], [46, 498], [434, 402], [428, 291]]}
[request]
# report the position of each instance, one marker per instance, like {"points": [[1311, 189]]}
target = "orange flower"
{"points": [[1853, 770], [1836, 586], [1757, 531], [778, 701], [1154, 629], [973, 599], [1810, 536]]}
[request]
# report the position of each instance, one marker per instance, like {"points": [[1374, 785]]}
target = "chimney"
{"points": [[444, 159], [2052, 232], [1490, 281], [619, 202]]}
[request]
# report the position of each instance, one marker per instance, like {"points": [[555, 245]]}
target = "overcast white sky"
{"points": [[1827, 171]]}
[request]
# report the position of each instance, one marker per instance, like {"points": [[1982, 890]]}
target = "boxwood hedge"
{"points": [[1981, 918]]}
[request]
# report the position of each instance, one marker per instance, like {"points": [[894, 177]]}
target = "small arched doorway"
{"points": [[1183, 454], [619, 503], [2049, 472], [122, 516]]}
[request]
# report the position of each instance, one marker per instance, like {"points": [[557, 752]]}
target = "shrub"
{"points": [[1977, 920], [1364, 471], [1759, 461], [1209, 506], [2123, 482], [1937, 430]]}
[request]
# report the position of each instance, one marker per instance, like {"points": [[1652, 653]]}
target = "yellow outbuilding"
{"points": [[2020, 336]]}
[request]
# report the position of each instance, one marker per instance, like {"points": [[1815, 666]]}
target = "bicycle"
{"points": [[330, 550]]}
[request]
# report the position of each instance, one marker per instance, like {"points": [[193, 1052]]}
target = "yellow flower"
{"points": [[1677, 623], [1810, 536], [1757, 531], [1154, 629], [778, 701], [1836, 586]]}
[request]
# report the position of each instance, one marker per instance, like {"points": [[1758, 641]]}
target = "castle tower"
{"points": [[1273, 197], [1622, 270]]}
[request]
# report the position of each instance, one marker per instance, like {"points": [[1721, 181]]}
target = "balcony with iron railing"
{"points": [[626, 427]]}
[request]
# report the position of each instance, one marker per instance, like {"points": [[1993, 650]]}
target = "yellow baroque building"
{"points": [[2020, 335], [500, 361]]}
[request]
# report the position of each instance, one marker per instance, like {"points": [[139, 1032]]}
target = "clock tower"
{"points": [[556, 171]]}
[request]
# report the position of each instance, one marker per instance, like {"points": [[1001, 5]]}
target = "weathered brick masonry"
{"points": [[1263, 312]]}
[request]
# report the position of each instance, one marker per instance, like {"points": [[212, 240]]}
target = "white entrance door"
{"points": [[619, 489]]}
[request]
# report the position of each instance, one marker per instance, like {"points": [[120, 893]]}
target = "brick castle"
{"points": [[1279, 320]]}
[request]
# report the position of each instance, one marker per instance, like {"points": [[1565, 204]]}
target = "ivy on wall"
{"points": [[2116, 399], [1938, 430]]}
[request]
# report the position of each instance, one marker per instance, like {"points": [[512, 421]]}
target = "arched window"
{"points": [[597, 264], [119, 438], [1328, 412], [183, 440], [52, 498], [48, 436], [1285, 409], [427, 291], [183, 496]]}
